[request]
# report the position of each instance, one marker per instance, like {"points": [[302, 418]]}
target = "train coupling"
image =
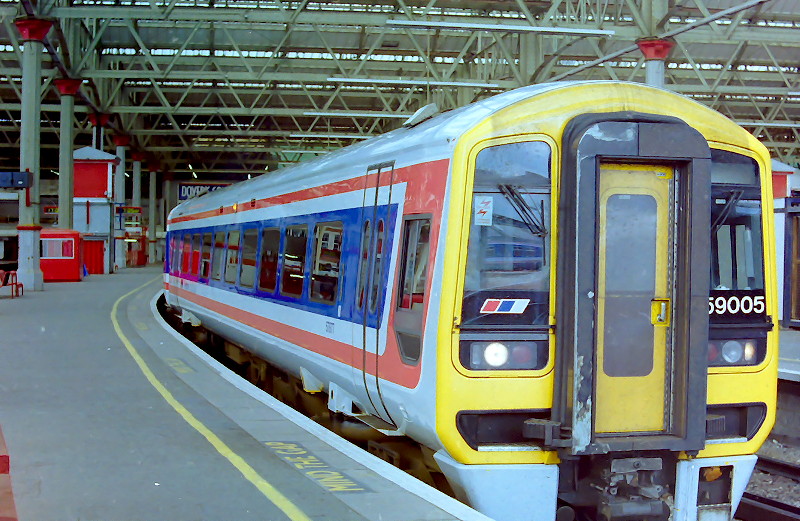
{"points": [[633, 488]]}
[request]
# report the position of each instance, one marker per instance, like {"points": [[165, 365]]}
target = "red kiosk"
{"points": [[93, 207], [61, 255]]}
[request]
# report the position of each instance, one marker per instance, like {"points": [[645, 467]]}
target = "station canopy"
{"points": [[215, 88]]}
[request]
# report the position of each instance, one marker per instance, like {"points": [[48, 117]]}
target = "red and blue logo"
{"points": [[513, 306]]}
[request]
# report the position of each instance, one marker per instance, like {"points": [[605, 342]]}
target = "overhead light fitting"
{"points": [[468, 26], [354, 114], [388, 81]]}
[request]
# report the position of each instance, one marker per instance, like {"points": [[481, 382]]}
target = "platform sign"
{"points": [[190, 190]]}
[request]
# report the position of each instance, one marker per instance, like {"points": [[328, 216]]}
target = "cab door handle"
{"points": [[660, 311]]}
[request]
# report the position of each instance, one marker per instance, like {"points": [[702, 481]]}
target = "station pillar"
{"points": [[120, 246], [99, 120], [136, 177], [33, 32], [151, 214], [655, 52], [67, 88]]}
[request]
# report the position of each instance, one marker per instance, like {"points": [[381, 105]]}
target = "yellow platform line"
{"points": [[249, 473]]}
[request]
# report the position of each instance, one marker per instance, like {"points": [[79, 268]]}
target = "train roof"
{"points": [[432, 139]]}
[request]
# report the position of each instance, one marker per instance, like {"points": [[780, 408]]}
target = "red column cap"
{"points": [[655, 48], [153, 167], [68, 86], [99, 119], [137, 156], [31, 28], [121, 140]]}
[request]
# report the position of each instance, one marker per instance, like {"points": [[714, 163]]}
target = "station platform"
{"points": [[789, 363], [109, 415]]}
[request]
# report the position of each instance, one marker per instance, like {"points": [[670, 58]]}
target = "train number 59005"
{"points": [[736, 305]]}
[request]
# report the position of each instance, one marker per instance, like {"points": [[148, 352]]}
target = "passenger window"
{"points": [[218, 255], [294, 261], [247, 276], [377, 269], [174, 254], [364, 264], [205, 256], [186, 253], [414, 268], [327, 255], [270, 246], [232, 262], [195, 267]]}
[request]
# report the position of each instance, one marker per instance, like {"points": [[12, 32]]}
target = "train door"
{"points": [[371, 294], [634, 299], [633, 278]]}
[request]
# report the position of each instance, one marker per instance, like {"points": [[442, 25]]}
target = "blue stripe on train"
{"points": [[345, 306]]}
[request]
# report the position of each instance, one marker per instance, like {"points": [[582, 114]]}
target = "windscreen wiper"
{"points": [[533, 218], [733, 199]]}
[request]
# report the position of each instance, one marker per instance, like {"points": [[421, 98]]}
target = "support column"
{"points": [[67, 87], [99, 121], [136, 192], [120, 246], [151, 214], [168, 189], [655, 52], [33, 31]]}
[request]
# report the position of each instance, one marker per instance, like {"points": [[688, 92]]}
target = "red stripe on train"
{"points": [[392, 368]]}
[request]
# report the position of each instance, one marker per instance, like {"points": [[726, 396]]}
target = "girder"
{"points": [[235, 86]]}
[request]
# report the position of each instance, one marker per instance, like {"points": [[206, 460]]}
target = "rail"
{"points": [[757, 508], [778, 468]]}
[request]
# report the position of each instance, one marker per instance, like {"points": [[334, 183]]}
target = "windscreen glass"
{"points": [[508, 259], [737, 255]]}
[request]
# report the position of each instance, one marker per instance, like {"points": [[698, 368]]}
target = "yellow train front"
{"points": [[605, 339]]}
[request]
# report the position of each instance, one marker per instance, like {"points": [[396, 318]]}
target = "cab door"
{"points": [[634, 300]]}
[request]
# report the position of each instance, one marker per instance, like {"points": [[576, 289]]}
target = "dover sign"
{"points": [[189, 190]]}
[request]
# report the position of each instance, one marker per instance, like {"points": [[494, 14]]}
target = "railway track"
{"points": [[757, 508], [778, 468]]}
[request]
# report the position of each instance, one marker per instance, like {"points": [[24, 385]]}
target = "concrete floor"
{"points": [[93, 436]]}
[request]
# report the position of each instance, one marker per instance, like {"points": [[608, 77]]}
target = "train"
{"points": [[564, 293]]}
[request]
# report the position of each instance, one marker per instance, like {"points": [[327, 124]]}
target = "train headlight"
{"points": [[750, 351], [495, 354], [736, 352], [732, 351], [503, 355]]}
